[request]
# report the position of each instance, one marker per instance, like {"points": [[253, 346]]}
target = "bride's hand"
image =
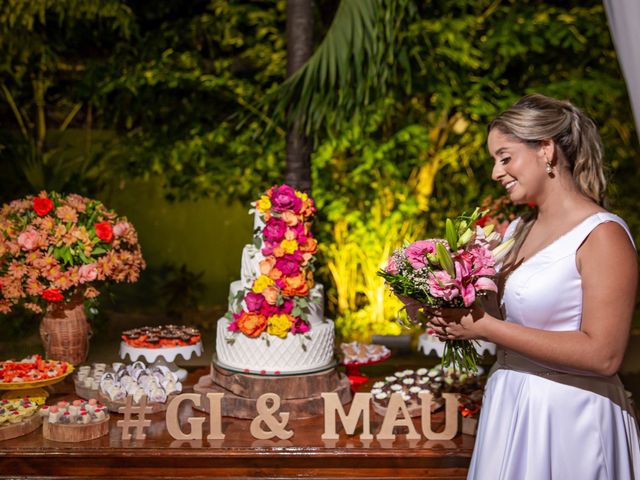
{"points": [[456, 323]]}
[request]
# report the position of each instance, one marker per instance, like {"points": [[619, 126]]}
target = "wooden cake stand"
{"points": [[300, 394]]}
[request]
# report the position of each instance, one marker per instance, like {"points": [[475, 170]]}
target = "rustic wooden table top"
{"points": [[238, 455]]}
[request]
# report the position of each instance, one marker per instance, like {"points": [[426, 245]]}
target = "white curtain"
{"points": [[624, 24]]}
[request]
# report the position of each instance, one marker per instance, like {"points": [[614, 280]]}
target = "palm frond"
{"points": [[353, 64]]}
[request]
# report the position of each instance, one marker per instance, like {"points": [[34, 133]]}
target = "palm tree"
{"points": [[299, 50], [358, 57]]}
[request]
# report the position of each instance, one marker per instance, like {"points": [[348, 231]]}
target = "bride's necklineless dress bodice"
{"points": [[545, 290]]}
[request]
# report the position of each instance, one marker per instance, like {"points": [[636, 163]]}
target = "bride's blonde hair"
{"points": [[535, 118]]}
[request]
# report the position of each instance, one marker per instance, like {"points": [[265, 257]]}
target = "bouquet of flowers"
{"points": [[277, 302], [54, 247], [449, 272]]}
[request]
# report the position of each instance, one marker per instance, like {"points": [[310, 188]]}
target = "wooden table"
{"points": [[239, 455]]}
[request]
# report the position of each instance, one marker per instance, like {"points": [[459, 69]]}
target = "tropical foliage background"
{"points": [[181, 108]]}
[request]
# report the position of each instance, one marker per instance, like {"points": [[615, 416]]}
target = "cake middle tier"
{"points": [[309, 352]]}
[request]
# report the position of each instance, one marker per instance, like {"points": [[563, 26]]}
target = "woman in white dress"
{"points": [[553, 406]]}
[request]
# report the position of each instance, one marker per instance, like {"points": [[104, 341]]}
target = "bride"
{"points": [[553, 405]]}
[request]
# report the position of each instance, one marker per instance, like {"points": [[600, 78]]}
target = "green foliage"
{"points": [[181, 89]]}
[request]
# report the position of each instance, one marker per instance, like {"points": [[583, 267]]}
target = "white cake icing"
{"points": [[268, 354], [310, 352]]}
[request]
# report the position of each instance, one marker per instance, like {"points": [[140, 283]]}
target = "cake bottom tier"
{"points": [[313, 351]]}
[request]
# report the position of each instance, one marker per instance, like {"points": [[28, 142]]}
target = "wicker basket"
{"points": [[65, 332]]}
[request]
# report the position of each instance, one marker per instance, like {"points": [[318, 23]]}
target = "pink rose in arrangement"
{"points": [[29, 239], [441, 285], [274, 230], [268, 310], [254, 301], [300, 326], [417, 251], [392, 266], [287, 306], [288, 265], [120, 228], [88, 273], [284, 198]]}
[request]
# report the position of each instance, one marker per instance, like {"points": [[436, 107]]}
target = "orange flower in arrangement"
{"points": [[310, 246], [53, 247], [296, 286], [252, 324]]}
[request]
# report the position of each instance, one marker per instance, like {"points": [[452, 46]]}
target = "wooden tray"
{"points": [[14, 430], [75, 433], [84, 392], [113, 406]]}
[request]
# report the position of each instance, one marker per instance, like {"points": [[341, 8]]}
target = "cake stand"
{"points": [[165, 356], [355, 376], [431, 344], [35, 389]]}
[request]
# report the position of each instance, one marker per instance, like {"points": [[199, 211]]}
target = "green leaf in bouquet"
{"points": [[445, 260], [98, 251], [296, 311], [451, 235]]}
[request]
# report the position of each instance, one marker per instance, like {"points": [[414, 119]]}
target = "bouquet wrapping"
{"points": [[449, 272]]}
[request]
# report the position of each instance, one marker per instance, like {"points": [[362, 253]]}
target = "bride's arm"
{"points": [[608, 267]]}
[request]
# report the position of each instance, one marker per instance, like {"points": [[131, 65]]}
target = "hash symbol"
{"points": [[128, 410]]}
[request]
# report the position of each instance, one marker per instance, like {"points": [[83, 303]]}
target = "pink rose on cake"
{"points": [[254, 301], [284, 198], [274, 230]]}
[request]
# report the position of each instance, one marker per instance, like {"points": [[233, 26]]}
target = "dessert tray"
{"points": [[18, 417], [355, 355], [111, 385], [160, 346], [76, 421], [410, 383], [32, 372]]}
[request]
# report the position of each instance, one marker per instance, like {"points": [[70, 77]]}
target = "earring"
{"points": [[549, 168]]}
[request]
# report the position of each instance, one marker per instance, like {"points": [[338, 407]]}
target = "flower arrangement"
{"points": [[277, 302], [53, 247], [449, 272]]}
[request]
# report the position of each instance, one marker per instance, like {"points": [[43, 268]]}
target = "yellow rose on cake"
{"points": [[279, 325]]}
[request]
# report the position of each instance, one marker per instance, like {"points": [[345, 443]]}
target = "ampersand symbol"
{"points": [[265, 414]]}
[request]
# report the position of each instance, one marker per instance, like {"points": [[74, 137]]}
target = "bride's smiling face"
{"points": [[519, 167]]}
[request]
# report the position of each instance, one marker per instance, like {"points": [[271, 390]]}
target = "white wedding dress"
{"points": [[539, 422]]}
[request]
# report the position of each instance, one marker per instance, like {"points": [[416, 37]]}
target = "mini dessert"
{"points": [[161, 337], [436, 380], [16, 411], [78, 412], [32, 369], [356, 352], [138, 380]]}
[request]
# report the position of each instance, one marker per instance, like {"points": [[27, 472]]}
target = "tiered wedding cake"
{"points": [[275, 324]]}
